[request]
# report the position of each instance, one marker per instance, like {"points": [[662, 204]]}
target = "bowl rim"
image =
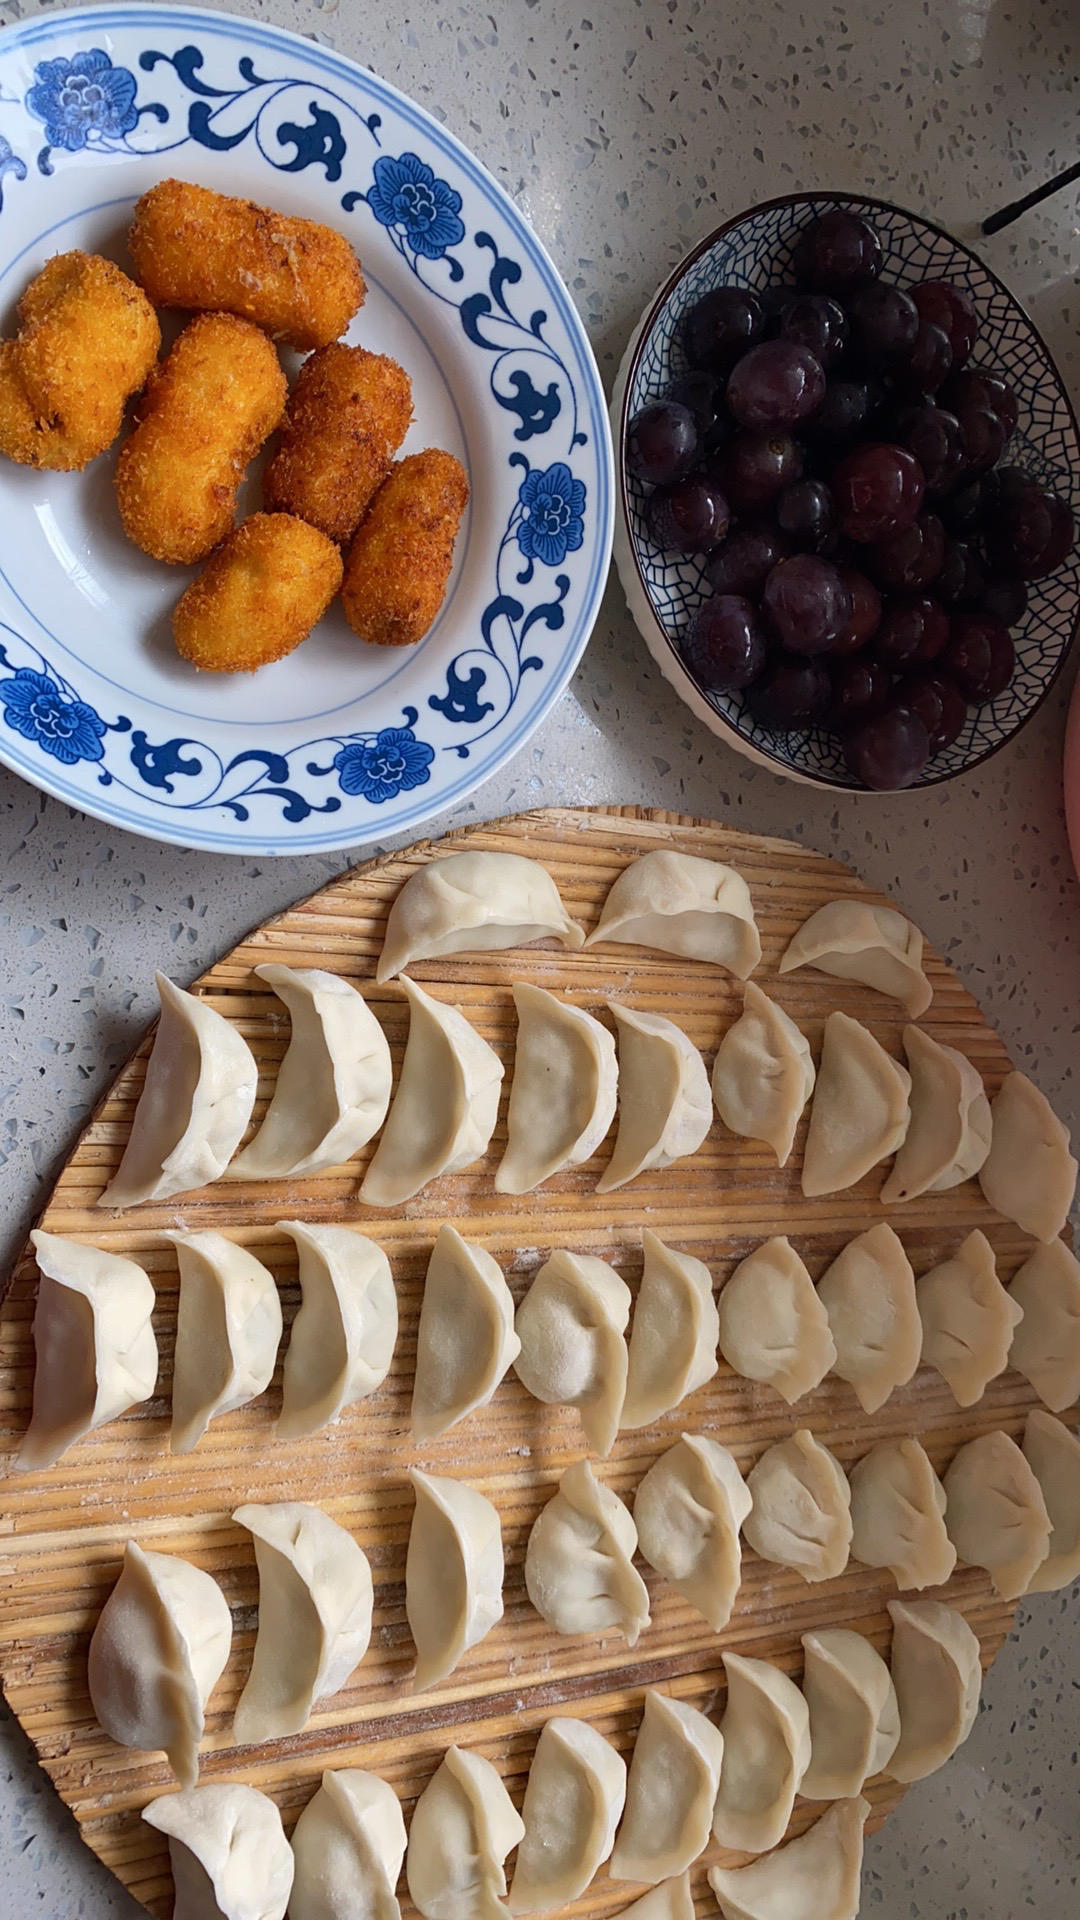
{"points": [[643, 334]]}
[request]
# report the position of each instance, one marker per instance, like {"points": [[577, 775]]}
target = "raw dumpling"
{"points": [[573, 1354], [445, 1107], [333, 1085], [773, 1327], [573, 1802], [860, 1111], [1046, 1344], [801, 1514], [230, 1858], [688, 1510], [315, 1599], [669, 1793], [851, 940], [579, 1571], [967, 1320], [465, 1340], [348, 1845], [854, 1716], [1030, 1175], [228, 1326], [938, 1677], [664, 1106], [815, 1877], [474, 903], [562, 1100], [96, 1354], [672, 1348], [342, 1339], [671, 1900], [679, 903], [869, 1295], [766, 1729], [157, 1652], [949, 1135], [463, 1826], [763, 1074], [1053, 1454], [898, 1515], [195, 1103], [995, 1512], [453, 1574]]}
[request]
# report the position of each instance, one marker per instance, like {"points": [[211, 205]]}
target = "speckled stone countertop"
{"points": [[626, 129]]}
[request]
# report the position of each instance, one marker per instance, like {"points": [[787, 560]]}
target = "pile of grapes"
{"points": [[835, 460]]}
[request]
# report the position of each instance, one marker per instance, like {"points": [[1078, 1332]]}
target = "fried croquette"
{"points": [[300, 281], [399, 562], [213, 401], [259, 596], [87, 340], [347, 416]]}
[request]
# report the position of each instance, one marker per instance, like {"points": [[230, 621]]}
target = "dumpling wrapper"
{"points": [[315, 1599], [869, 1295], [665, 1109], [1029, 1175], [570, 1326], [1053, 1454], [228, 1328], [763, 1074], [579, 1571], [814, 1877], [230, 1858], [480, 902], [333, 1085], [574, 1799], [949, 1135], [562, 1098], [766, 1729], [670, 1791], [445, 1106], [860, 1113], [196, 1101], [937, 1674], [876, 946], [95, 1351], [968, 1319], [801, 1516], [688, 1509], [679, 903], [342, 1340], [898, 1514], [465, 1340], [671, 1900], [773, 1326], [854, 1714], [463, 1826], [1046, 1344], [995, 1512], [348, 1845], [453, 1574], [672, 1346], [157, 1652]]}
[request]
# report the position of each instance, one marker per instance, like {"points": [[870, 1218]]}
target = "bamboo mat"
{"points": [[63, 1530]]}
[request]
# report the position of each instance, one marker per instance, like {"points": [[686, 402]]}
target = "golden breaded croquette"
{"points": [[399, 562], [259, 595], [300, 281], [87, 340], [347, 416], [213, 401]]}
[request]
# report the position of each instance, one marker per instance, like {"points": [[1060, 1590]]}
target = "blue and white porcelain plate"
{"points": [[340, 743]]}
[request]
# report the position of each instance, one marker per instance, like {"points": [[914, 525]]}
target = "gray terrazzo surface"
{"points": [[624, 137]]}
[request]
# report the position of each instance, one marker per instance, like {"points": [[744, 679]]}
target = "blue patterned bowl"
{"points": [[755, 250]]}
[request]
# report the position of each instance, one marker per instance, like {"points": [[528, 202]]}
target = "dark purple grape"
{"points": [[720, 326], [1006, 483], [703, 393], [978, 387], [775, 385], [691, 516], [860, 688], [933, 436], [791, 696], [806, 603], [913, 631], [1005, 600], [661, 443], [930, 359], [837, 251], [951, 309], [755, 467], [744, 561], [939, 704], [724, 647], [884, 323], [980, 656], [890, 751], [878, 489], [805, 511], [813, 320], [961, 511], [773, 302], [1029, 531], [961, 580], [865, 612], [844, 412], [982, 437], [910, 559]]}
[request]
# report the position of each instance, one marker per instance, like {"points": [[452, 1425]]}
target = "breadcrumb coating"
{"points": [[347, 416], [258, 596], [399, 562]]}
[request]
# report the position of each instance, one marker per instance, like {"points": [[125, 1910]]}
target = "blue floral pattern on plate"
{"points": [[406, 194], [83, 99], [35, 708]]}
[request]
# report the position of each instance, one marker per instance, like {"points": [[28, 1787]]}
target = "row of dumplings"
{"points": [[852, 1718]]}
